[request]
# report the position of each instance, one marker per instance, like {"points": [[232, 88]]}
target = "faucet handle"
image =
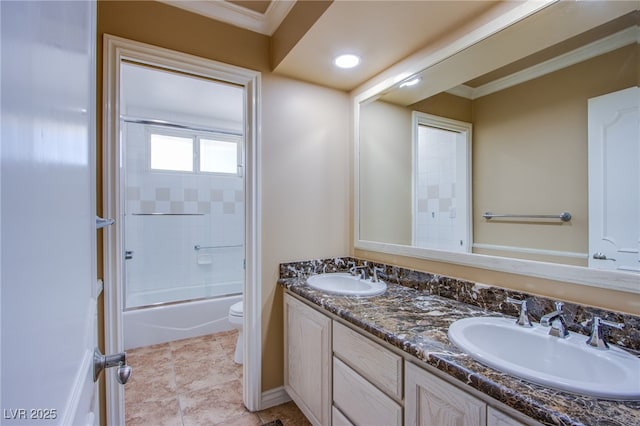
{"points": [[374, 273], [596, 339], [523, 318], [362, 268], [559, 306]]}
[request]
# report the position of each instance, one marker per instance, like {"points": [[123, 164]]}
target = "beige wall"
{"points": [[305, 192], [305, 148], [446, 105], [162, 25], [385, 164], [530, 154]]}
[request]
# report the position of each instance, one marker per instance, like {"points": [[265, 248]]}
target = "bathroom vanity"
{"points": [[372, 384], [386, 360]]}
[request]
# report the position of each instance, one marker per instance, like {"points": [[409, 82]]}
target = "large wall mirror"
{"points": [[518, 152]]}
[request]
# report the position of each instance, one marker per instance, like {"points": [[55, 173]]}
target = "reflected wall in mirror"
{"points": [[417, 193], [530, 143]]}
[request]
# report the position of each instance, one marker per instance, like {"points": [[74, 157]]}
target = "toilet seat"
{"points": [[237, 321], [236, 309]]}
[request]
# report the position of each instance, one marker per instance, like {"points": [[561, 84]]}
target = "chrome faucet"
{"points": [[374, 273], [363, 271], [556, 321], [597, 339], [523, 319]]}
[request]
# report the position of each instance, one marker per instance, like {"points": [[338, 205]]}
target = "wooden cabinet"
{"points": [[307, 360], [339, 419], [338, 376], [430, 401]]}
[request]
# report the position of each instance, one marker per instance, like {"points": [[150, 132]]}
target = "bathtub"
{"points": [[165, 323]]}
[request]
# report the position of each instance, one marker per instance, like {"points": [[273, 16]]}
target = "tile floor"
{"points": [[194, 382]]}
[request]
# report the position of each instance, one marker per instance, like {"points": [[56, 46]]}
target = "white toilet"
{"points": [[236, 319]]}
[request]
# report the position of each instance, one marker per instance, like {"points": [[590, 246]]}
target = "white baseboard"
{"points": [[274, 397]]}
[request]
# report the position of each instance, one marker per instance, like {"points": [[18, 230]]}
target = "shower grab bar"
{"points": [[199, 247], [167, 214], [564, 216]]}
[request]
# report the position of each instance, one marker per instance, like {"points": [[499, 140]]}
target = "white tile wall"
{"points": [[164, 256], [436, 189]]}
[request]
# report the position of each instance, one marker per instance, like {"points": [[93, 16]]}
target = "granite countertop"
{"points": [[417, 321]]}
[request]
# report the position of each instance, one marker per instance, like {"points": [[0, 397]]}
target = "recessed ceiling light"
{"points": [[410, 83], [346, 61]]}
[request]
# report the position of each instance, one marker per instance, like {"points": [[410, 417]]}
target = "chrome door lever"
{"points": [[100, 362], [101, 223], [601, 256]]}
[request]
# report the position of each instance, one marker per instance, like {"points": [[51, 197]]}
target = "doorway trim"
{"points": [[115, 50]]}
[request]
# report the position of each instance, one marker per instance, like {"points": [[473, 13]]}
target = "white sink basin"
{"points": [[564, 364], [346, 284]]}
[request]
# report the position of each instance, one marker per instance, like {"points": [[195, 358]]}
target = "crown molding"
{"points": [[238, 16], [597, 48]]}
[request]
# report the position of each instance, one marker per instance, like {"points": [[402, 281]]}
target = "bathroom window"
{"points": [[195, 152], [219, 156], [171, 153]]}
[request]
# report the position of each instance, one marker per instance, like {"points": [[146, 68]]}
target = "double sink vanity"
{"points": [[380, 345]]}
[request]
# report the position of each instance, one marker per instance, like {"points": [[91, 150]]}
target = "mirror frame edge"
{"points": [[600, 278]]}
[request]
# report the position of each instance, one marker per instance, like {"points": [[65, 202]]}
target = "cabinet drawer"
{"points": [[360, 401], [377, 364], [338, 419]]}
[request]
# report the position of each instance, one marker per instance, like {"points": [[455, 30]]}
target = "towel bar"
{"points": [[564, 216]]}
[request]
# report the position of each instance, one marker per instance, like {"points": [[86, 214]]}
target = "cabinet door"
{"points": [[338, 419], [498, 418], [307, 360], [430, 401]]}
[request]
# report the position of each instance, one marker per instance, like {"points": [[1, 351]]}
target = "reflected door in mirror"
{"points": [[614, 180], [441, 216]]}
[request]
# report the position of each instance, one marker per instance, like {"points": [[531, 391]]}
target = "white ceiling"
{"points": [[156, 94], [382, 32]]}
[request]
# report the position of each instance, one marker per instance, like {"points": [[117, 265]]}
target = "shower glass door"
{"points": [[183, 187]]}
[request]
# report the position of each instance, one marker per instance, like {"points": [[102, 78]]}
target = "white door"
{"points": [[614, 180], [48, 229]]}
